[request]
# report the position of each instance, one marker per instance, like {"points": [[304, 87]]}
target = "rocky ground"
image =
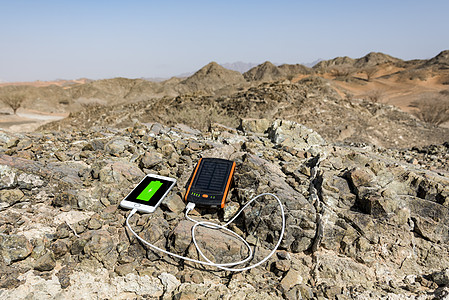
{"points": [[363, 222]]}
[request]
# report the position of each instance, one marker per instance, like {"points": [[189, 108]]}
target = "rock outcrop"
{"points": [[363, 222]]}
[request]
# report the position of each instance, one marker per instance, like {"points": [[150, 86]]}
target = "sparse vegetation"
{"points": [[369, 72], [375, 95], [13, 98], [432, 108], [413, 74]]}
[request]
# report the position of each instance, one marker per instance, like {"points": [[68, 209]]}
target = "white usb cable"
{"points": [[208, 262]]}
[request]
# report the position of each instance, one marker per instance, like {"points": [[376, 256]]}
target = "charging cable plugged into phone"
{"points": [[208, 186]]}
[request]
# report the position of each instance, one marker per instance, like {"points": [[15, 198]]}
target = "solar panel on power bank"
{"points": [[210, 182]]}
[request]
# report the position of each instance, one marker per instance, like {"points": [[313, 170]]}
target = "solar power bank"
{"points": [[210, 182]]}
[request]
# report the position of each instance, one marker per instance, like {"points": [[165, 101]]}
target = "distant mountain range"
{"points": [[239, 66], [243, 67]]}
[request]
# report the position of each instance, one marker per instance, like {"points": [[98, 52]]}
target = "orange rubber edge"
{"points": [[227, 185], [193, 177]]}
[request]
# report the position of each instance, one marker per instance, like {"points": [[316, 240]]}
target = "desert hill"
{"points": [[371, 59], [269, 72], [210, 78], [441, 61]]}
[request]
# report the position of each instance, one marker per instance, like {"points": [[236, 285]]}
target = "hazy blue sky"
{"points": [[46, 40]]}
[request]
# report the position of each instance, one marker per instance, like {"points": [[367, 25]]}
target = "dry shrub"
{"points": [[375, 95], [432, 108], [369, 71]]}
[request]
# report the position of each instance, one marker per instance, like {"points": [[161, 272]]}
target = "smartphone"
{"points": [[149, 193], [210, 182]]}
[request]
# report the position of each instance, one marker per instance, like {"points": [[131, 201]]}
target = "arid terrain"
{"points": [[356, 149]]}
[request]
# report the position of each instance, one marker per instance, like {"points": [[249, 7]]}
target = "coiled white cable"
{"points": [[208, 262]]}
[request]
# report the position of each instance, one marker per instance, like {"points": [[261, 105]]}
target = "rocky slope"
{"points": [[312, 101], [362, 222]]}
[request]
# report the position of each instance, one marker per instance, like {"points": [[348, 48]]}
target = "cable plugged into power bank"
{"points": [[224, 266]]}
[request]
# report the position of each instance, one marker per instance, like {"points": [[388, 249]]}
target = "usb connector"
{"points": [[190, 206]]}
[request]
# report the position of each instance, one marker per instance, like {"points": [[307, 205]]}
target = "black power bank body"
{"points": [[210, 182]]}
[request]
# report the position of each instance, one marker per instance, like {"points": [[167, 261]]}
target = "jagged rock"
{"points": [[66, 198], [59, 248], [95, 222], [221, 248], [14, 248], [265, 216], [174, 203], [64, 277], [117, 146], [169, 281], [441, 278], [151, 159], [101, 247], [291, 279], [45, 262], [255, 125], [124, 269], [291, 134], [10, 197], [7, 177]]}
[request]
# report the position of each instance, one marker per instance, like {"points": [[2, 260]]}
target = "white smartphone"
{"points": [[149, 193]]}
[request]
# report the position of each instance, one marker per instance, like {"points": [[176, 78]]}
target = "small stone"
{"points": [[291, 279], [66, 198], [230, 210], [25, 144], [125, 259], [195, 146], [12, 142], [59, 248], [14, 247], [95, 222], [255, 125], [64, 277], [196, 277], [10, 197], [169, 281], [283, 265], [39, 248], [124, 269], [150, 159], [187, 295], [117, 146], [283, 254], [167, 150], [300, 291], [45, 263], [61, 156], [441, 278], [174, 203], [63, 231]]}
